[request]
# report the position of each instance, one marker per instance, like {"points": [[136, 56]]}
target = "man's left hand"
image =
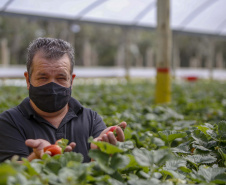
{"points": [[110, 137]]}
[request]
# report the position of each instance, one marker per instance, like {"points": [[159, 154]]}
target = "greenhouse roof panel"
{"points": [[195, 16]]}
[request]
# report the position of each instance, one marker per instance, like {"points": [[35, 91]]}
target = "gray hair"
{"points": [[51, 48]]}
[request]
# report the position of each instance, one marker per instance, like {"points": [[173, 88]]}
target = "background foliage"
{"points": [[104, 40]]}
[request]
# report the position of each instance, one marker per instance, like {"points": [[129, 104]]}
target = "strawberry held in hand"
{"points": [[112, 129], [57, 148], [54, 149]]}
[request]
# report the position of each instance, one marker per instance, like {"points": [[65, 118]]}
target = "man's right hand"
{"points": [[39, 144]]}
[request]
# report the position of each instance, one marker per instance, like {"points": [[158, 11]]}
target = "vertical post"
{"points": [[5, 52], [164, 37], [211, 47], [219, 60], [127, 53], [87, 60], [175, 56], [120, 57]]}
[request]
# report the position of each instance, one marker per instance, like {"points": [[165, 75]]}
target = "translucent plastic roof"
{"points": [[193, 16]]}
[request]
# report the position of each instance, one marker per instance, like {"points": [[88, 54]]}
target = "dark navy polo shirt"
{"points": [[21, 123]]}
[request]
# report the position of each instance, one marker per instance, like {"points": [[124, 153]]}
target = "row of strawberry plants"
{"points": [[179, 143], [201, 158]]}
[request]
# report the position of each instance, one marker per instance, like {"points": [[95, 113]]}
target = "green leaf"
{"points": [[63, 144], [223, 155], [148, 158], [115, 182], [170, 136], [53, 166], [158, 142], [185, 169], [70, 156], [199, 159], [125, 146], [30, 169], [144, 182], [161, 156], [209, 173], [102, 159], [132, 161], [199, 137], [173, 174], [203, 129], [182, 148], [222, 129], [18, 179], [200, 147], [150, 116], [68, 176], [184, 123], [119, 161], [175, 164], [212, 134], [106, 147], [143, 174], [143, 156], [128, 133], [136, 139], [6, 170], [46, 157], [219, 179], [157, 175]]}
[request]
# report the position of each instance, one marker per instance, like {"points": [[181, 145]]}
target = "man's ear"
{"points": [[72, 78], [27, 79]]}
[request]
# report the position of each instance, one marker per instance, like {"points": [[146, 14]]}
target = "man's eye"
{"points": [[42, 78]]}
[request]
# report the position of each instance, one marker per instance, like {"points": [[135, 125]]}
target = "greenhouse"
{"points": [[112, 92]]}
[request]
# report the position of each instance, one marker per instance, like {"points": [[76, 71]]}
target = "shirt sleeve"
{"points": [[12, 141], [98, 125]]}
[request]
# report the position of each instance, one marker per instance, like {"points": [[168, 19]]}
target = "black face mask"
{"points": [[50, 97]]}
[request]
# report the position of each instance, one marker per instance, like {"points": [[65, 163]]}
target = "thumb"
{"points": [[38, 144], [32, 143]]}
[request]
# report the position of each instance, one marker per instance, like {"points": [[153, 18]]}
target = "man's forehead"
{"points": [[47, 72], [43, 66], [40, 60]]}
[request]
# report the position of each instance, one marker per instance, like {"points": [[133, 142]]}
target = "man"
{"points": [[50, 113]]}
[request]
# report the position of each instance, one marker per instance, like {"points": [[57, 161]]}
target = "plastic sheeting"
{"points": [[190, 16]]}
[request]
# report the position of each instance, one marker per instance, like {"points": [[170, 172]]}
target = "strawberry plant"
{"points": [[179, 143]]}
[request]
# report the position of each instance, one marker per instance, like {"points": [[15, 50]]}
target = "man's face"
{"points": [[50, 70]]}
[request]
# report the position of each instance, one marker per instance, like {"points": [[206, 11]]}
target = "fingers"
{"points": [[70, 147], [33, 143], [72, 144], [38, 144], [112, 139], [109, 138], [123, 125], [41, 153], [105, 138], [47, 152], [120, 134]]}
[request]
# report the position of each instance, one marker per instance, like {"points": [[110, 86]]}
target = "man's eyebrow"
{"points": [[41, 74], [62, 74]]}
